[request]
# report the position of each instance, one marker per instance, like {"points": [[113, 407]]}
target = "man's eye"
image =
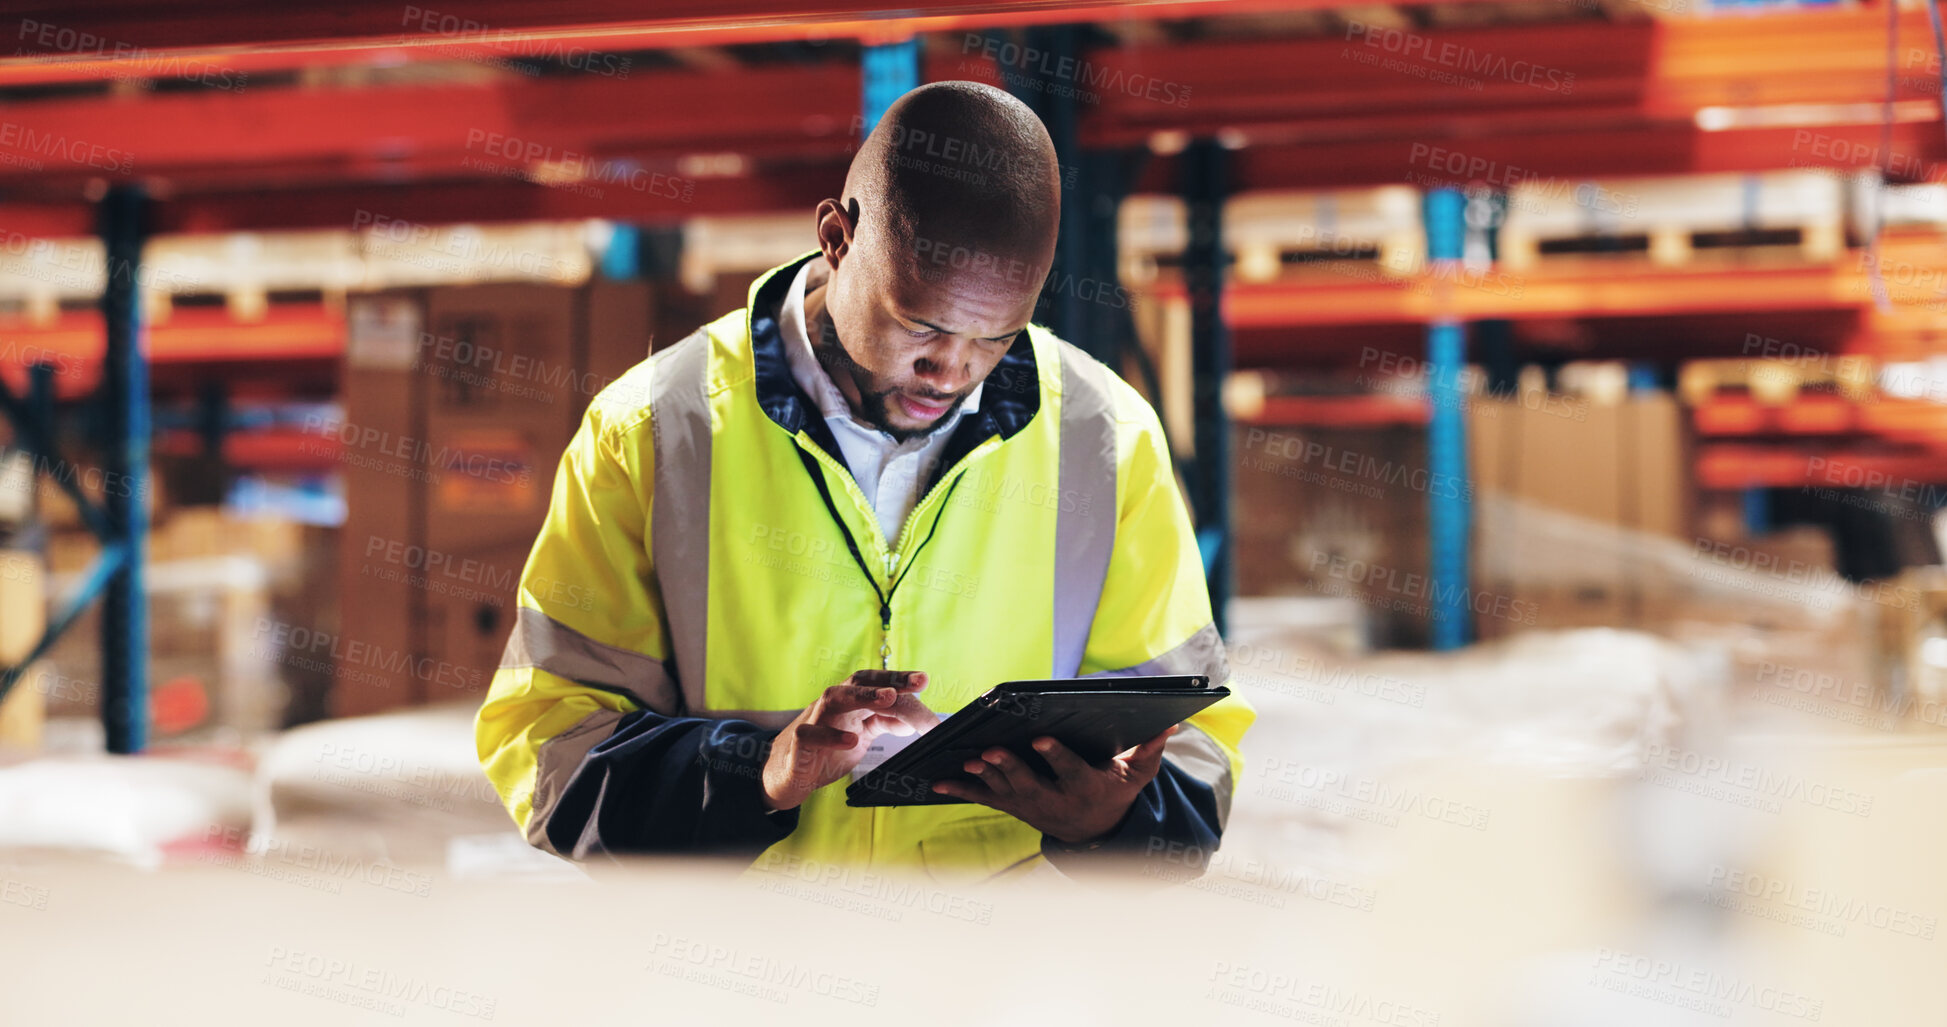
{"points": [[920, 333]]}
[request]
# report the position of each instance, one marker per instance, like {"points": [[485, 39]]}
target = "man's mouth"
{"points": [[921, 409]]}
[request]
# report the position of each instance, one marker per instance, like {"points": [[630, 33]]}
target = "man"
{"points": [[880, 463]]}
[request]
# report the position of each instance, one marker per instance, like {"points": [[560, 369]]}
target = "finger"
{"points": [[912, 712], [1020, 777], [988, 775], [971, 791], [846, 698], [1146, 759], [899, 680], [822, 736], [1062, 760], [879, 724], [907, 716], [1149, 749]]}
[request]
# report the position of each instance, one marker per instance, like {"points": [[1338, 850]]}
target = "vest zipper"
{"points": [[885, 613], [812, 456], [905, 530]]}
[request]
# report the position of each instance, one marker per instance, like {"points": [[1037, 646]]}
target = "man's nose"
{"points": [[946, 368]]}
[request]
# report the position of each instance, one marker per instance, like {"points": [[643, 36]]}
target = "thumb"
{"points": [[1148, 756]]}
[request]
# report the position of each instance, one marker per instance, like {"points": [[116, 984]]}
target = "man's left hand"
{"points": [[1080, 804]]}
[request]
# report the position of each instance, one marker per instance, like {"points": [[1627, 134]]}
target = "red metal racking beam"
{"points": [[1373, 410], [1315, 113], [88, 31], [73, 345], [1741, 466]]}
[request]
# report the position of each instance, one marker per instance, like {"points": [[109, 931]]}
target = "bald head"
{"points": [[959, 165], [935, 255]]}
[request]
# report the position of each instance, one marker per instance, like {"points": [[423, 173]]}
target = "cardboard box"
{"points": [[384, 502], [507, 381], [621, 329], [472, 427], [1336, 512], [468, 612], [23, 615], [1625, 464], [214, 647]]}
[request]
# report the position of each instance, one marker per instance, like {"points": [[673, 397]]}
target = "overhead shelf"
{"points": [[304, 35], [1371, 410], [275, 450], [74, 343], [1917, 420], [1798, 466], [1355, 294], [1780, 89]]}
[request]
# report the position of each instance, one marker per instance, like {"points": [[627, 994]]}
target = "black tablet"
{"points": [[1096, 717]]}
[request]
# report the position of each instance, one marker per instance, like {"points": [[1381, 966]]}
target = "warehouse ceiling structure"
{"points": [[393, 121], [488, 112]]}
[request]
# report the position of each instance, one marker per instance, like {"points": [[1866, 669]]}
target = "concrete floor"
{"points": [[1587, 828]]}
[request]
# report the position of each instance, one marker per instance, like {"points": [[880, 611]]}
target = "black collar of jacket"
{"points": [[1009, 400]]}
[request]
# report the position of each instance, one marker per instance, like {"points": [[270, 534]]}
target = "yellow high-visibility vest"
{"points": [[691, 568]]}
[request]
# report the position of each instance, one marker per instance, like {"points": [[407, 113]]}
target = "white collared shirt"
{"points": [[889, 472]]}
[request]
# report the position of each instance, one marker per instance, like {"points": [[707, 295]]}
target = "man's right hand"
{"points": [[828, 739]]}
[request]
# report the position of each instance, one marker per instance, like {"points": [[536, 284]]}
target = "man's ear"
{"points": [[835, 224]]}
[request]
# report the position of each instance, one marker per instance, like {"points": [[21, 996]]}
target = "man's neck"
{"points": [[818, 331]]}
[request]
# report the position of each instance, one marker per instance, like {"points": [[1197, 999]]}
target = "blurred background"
{"points": [[1559, 388]]}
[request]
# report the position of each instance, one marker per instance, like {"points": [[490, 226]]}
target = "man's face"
{"points": [[914, 335]]}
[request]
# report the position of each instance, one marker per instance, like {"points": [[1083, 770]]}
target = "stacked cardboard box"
{"points": [[458, 403], [23, 614], [1337, 512], [1344, 511], [1619, 467], [211, 582]]}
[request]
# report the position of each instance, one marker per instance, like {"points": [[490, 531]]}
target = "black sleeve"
{"points": [[1170, 830], [671, 784]]}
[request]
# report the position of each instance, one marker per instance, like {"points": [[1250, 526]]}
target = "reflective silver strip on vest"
{"points": [[1197, 754], [1201, 653], [1084, 535], [542, 642], [680, 519], [1192, 749], [555, 764]]}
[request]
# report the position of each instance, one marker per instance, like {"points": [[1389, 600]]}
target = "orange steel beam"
{"points": [[263, 449], [1501, 151], [443, 203], [112, 38], [1895, 474], [73, 344], [1921, 421], [484, 131], [1371, 82], [1574, 98], [1359, 411], [1356, 293]]}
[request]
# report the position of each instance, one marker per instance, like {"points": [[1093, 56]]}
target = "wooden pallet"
{"points": [[1671, 220], [1779, 382]]}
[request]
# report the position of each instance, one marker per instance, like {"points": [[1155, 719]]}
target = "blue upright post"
{"points": [[622, 258], [891, 71], [1449, 508], [1757, 511], [125, 466]]}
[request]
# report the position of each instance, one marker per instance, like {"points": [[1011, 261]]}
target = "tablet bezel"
{"points": [[995, 702]]}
